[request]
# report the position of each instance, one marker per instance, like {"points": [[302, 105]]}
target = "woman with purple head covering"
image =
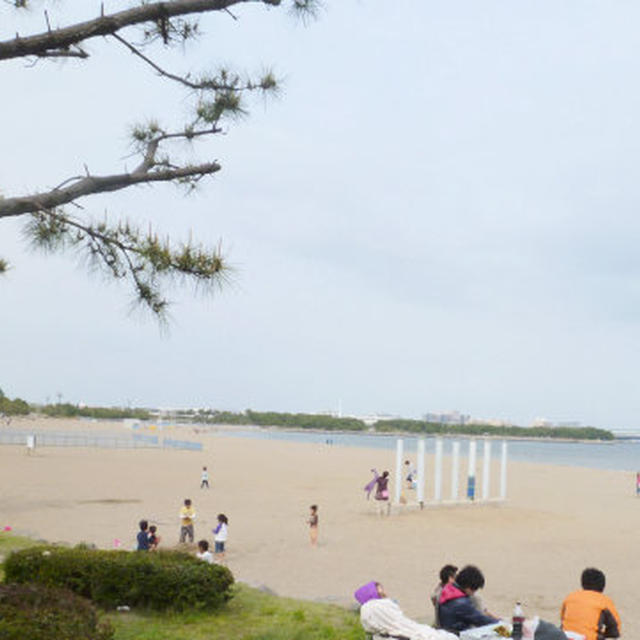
{"points": [[383, 618]]}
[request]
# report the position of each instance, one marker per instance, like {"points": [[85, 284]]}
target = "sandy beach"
{"points": [[532, 548]]}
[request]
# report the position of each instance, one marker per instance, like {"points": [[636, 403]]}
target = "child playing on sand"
{"points": [[204, 478], [409, 475], [382, 493], [143, 536], [203, 552], [154, 538], [220, 536], [313, 525], [187, 516]]}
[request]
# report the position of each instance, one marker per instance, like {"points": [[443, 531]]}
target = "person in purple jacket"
{"points": [[455, 610]]}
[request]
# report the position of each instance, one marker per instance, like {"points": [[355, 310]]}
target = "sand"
{"points": [[533, 547]]}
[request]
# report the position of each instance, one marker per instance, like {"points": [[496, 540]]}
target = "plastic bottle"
{"points": [[518, 619]]}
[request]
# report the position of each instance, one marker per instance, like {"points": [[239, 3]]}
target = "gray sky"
{"points": [[438, 213]]}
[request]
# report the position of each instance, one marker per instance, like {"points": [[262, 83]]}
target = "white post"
{"points": [[420, 463], [503, 472], [471, 474], [437, 472], [455, 464], [486, 469], [398, 487]]}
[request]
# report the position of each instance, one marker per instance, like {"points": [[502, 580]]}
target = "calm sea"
{"points": [[619, 455]]}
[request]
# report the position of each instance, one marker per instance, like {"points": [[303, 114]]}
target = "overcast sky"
{"points": [[439, 212]]}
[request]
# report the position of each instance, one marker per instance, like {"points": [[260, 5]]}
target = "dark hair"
{"points": [[153, 528], [447, 572], [470, 577], [187, 502], [223, 518], [593, 579], [143, 525], [203, 544], [385, 474], [314, 507]]}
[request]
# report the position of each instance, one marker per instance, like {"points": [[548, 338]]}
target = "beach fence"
{"points": [[92, 441], [471, 493]]}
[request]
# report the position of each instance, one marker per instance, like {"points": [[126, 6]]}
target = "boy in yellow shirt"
{"points": [[187, 516]]}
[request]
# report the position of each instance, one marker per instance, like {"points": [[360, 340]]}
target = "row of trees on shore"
{"points": [[15, 407], [311, 421], [328, 423], [421, 426]]}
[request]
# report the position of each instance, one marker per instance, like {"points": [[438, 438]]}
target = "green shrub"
{"points": [[37, 612], [15, 407], [164, 580]]}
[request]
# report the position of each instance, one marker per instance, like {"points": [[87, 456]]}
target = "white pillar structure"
{"points": [[420, 463], [503, 472], [455, 464], [471, 473], [437, 472], [486, 469], [398, 484]]}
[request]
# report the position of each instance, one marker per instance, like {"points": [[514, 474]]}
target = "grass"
{"points": [[250, 615], [9, 543]]}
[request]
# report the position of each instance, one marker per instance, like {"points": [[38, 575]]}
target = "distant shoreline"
{"points": [[403, 434], [19, 421]]}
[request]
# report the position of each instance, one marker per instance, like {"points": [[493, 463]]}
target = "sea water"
{"points": [[618, 455]]}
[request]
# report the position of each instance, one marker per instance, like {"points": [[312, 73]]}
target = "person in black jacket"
{"points": [[455, 610]]}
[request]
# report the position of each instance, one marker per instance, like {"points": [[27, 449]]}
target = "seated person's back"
{"points": [[456, 613], [588, 611]]}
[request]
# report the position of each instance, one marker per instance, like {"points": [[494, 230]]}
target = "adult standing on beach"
{"points": [[382, 493], [187, 516]]}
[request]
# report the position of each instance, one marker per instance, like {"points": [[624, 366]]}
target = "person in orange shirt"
{"points": [[588, 611]]}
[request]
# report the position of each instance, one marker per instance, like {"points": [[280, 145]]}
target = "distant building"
{"points": [[543, 422], [371, 419], [492, 422], [448, 417], [569, 423]]}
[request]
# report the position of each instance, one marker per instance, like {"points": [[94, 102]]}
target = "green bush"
{"points": [[164, 580], [37, 612], [15, 407]]}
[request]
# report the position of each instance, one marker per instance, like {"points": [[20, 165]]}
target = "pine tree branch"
{"points": [[64, 38], [89, 185], [65, 53], [207, 84], [122, 252]]}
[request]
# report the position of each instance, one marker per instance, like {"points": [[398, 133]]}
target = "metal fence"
{"points": [[100, 441], [182, 444]]}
